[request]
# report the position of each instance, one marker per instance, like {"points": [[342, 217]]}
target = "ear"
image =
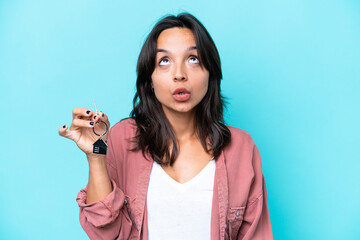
{"points": [[151, 83]]}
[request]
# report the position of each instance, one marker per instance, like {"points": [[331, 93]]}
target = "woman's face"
{"points": [[179, 81]]}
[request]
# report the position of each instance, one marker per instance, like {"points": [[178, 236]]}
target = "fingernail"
{"points": [[64, 126], [91, 123], [88, 111], [103, 114], [94, 116]]}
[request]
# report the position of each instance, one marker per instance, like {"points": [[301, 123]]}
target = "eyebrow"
{"points": [[166, 51]]}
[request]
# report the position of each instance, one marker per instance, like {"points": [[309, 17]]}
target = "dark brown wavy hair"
{"points": [[154, 132]]}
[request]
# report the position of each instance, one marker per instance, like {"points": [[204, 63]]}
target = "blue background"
{"points": [[291, 75]]}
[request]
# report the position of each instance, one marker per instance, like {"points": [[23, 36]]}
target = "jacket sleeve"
{"points": [[100, 220], [256, 221]]}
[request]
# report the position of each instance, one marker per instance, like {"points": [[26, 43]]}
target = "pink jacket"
{"points": [[239, 205]]}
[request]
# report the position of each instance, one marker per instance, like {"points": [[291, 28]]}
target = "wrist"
{"points": [[93, 157]]}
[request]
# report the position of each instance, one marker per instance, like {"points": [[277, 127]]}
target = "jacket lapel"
{"points": [[142, 186], [220, 198]]}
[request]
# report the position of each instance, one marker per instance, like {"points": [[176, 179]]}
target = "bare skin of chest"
{"points": [[191, 160]]}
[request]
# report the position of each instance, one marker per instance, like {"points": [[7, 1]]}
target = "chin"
{"points": [[187, 110], [184, 107], [184, 110], [180, 109]]}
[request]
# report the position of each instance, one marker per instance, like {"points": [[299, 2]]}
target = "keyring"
{"points": [[100, 146], [107, 129]]}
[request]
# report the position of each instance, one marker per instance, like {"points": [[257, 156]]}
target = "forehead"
{"points": [[174, 38]]}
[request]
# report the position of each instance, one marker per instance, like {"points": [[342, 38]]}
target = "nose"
{"points": [[179, 73]]}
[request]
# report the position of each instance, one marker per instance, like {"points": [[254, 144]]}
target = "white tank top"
{"points": [[180, 211]]}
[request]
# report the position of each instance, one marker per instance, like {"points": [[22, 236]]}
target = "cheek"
{"points": [[205, 89], [160, 88], [158, 79], [201, 89], [204, 85], [155, 83]]}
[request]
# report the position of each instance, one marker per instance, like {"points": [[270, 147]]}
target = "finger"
{"points": [[95, 117], [82, 113], [103, 117], [79, 123], [64, 132]]}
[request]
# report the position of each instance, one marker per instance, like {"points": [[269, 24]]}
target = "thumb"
{"points": [[64, 132]]}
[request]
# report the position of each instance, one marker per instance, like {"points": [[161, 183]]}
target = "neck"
{"points": [[183, 124]]}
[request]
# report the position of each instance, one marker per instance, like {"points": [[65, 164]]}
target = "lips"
{"points": [[181, 94], [181, 90]]}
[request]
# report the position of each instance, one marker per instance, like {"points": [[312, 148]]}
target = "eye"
{"points": [[194, 59], [164, 61]]}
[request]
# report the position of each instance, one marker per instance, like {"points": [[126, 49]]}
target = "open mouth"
{"points": [[181, 91], [181, 94]]}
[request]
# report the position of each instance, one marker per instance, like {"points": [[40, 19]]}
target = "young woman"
{"points": [[173, 170]]}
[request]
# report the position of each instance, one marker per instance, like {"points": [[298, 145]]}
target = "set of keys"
{"points": [[100, 146]]}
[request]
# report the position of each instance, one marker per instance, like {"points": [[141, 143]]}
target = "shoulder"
{"points": [[241, 148], [240, 137], [123, 131], [126, 126]]}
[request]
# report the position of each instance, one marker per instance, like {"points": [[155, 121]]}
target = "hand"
{"points": [[81, 129]]}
